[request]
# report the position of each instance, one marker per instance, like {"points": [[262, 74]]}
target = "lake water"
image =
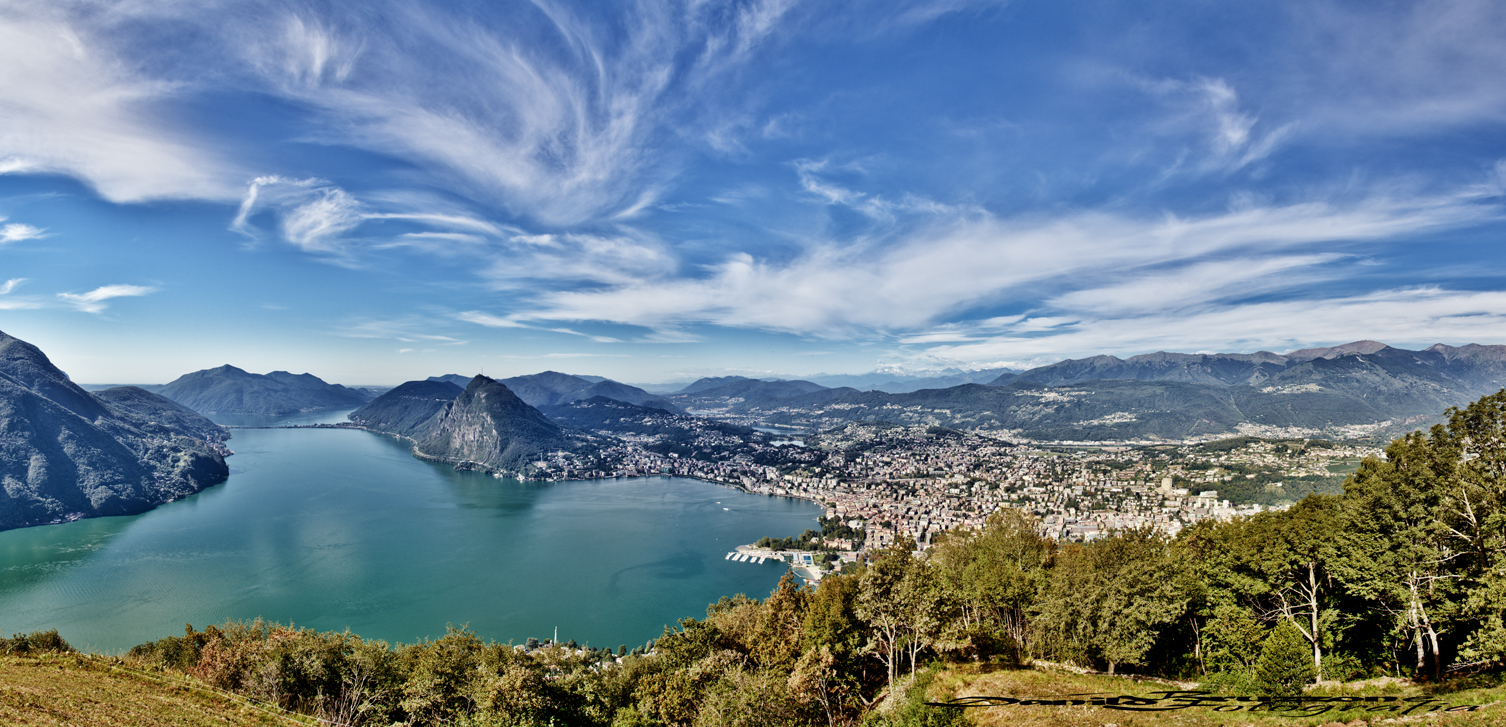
{"points": [[336, 529]]}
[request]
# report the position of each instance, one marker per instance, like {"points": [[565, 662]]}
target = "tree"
{"points": [[995, 574], [1233, 637], [1284, 666], [1475, 511], [1113, 598], [882, 605], [1291, 552], [1142, 590], [1399, 551]]}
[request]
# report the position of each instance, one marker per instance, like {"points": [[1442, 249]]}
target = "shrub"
{"points": [[1285, 665], [1235, 682], [36, 642]]}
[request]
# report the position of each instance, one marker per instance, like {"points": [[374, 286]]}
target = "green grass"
{"points": [[74, 689], [1344, 466], [969, 680]]}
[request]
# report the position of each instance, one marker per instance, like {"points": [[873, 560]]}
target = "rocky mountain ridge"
{"points": [[485, 426], [67, 454]]}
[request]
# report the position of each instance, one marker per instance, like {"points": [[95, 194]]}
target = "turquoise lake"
{"points": [[335, 529]]}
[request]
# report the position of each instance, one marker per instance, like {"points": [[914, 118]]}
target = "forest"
{"points": [[1400, 575]]}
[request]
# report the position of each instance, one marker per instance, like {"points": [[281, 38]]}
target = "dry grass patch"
{"points": [[973, 680], [67, 689]]}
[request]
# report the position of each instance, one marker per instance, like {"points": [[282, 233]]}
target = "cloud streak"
{"points": [[71, 106], [94, 301], [16, 232], [982, 260]]}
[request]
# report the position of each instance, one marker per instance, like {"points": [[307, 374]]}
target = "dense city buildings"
{"points": [[916, 482]]}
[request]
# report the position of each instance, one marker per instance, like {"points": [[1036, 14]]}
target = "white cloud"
{"points": [[72, 106], [1210, 109], [94, 300], [1405, 316], [320, 218], [405, 329], [563, 258], [16, 302], [980, 260], [16, 232], [1199, 283], [489, 320]]}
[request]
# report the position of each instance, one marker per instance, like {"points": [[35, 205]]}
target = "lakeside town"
{"points": [[881, 482]]}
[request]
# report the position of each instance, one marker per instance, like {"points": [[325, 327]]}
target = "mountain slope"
{"points": [[551, 388], [65, 453], [740, 394], [408, 410], [154, 408], [490, 427], [229, 390]]}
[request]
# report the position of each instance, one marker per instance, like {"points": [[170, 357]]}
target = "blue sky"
{"points": [[378, 191]]}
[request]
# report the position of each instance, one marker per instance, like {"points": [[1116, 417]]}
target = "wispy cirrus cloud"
{"points": [[16, 232], [16, 302], [1232, 137], [94, 301], [72, 105], [319, 217], [1399, 316], [978, 260], [557, 128]]}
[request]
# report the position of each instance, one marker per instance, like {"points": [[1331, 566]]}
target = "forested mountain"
{"points": [[155, 408], [229, 390], [483, 426], [711, 382], [905, 383], [1475, 368], [550, 388], [66, 453], [600, 413], [739, 394], [408, 409], [456, 379], [489, 426]]}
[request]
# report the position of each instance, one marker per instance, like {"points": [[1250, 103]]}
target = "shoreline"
{"points": [[807, 573]]}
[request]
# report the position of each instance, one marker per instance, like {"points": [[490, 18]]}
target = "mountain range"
{"points": [[1365, 387], [551, 388], [229, 390], [66, 453]]}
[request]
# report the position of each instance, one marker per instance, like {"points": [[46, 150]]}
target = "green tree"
{"points": [[1291, 552], [994, 575], [1284, 666], [883, 606], [1475, 510], [1398, 549], [1233, 638]]}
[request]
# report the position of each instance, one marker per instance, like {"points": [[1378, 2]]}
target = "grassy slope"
{"points": [[73, 690], [968, 681]]}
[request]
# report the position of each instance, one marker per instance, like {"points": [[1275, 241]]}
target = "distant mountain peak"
{"points": [[230, 390], [1364, 347]]}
